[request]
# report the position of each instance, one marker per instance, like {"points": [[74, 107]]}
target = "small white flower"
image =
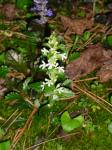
{"points": [[48, 82], [45, 51], [63, 56], [58, 85], [43, 65], [60, 90], [43, 86], [51, 64], [60, 69]]}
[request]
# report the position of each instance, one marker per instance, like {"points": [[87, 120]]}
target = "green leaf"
{"points": [[109, 40], [66, 93], [110, 127], [1, 132], [69, 124], [5, 145], [36, 86], [2, 58], [49, 89], [13, 96], [3, 71], [86, 35], [110, 99], [81, 13], [74, 56], [67, 82], [25, 84], [23, 4]]}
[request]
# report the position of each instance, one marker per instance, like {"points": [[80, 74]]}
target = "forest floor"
{"points": [[55, 75]]}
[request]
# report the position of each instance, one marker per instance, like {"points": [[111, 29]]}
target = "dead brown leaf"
{"points": [[105, 72], [9, 11], [17, 75], [76, 26], [92, 58]]}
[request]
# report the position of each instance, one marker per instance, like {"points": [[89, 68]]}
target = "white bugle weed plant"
{"points": [[54, 53]]}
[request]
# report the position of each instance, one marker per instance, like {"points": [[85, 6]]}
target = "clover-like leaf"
{"points": [[5, 145], [68, 124]]}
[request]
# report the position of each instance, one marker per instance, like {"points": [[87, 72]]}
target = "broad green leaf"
{"points": [[5, 145], [36, 86], [74, 56], [23, 4], [69, 124], [13, 96], [67, 82], [110, 127], [63, 48], [3, 71], [86, 35], [49, 89], [109, 40]]}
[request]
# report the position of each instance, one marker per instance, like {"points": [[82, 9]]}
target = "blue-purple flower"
{"points": [[40, 7], [49, 12]]}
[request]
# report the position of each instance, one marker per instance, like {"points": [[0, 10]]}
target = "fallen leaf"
{"points": [[105, 72], [2, 81], [92, 58], [8, 10], [76, 26], [17, 75]]}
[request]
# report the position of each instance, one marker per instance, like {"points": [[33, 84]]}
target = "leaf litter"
{"points": [[94, 57], [9, 11], [76, 26]]}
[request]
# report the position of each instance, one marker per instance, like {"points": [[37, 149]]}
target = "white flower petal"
{"points": [[60, 69], [43, 65], [63, 56], [49, 82], [45, 51]]}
